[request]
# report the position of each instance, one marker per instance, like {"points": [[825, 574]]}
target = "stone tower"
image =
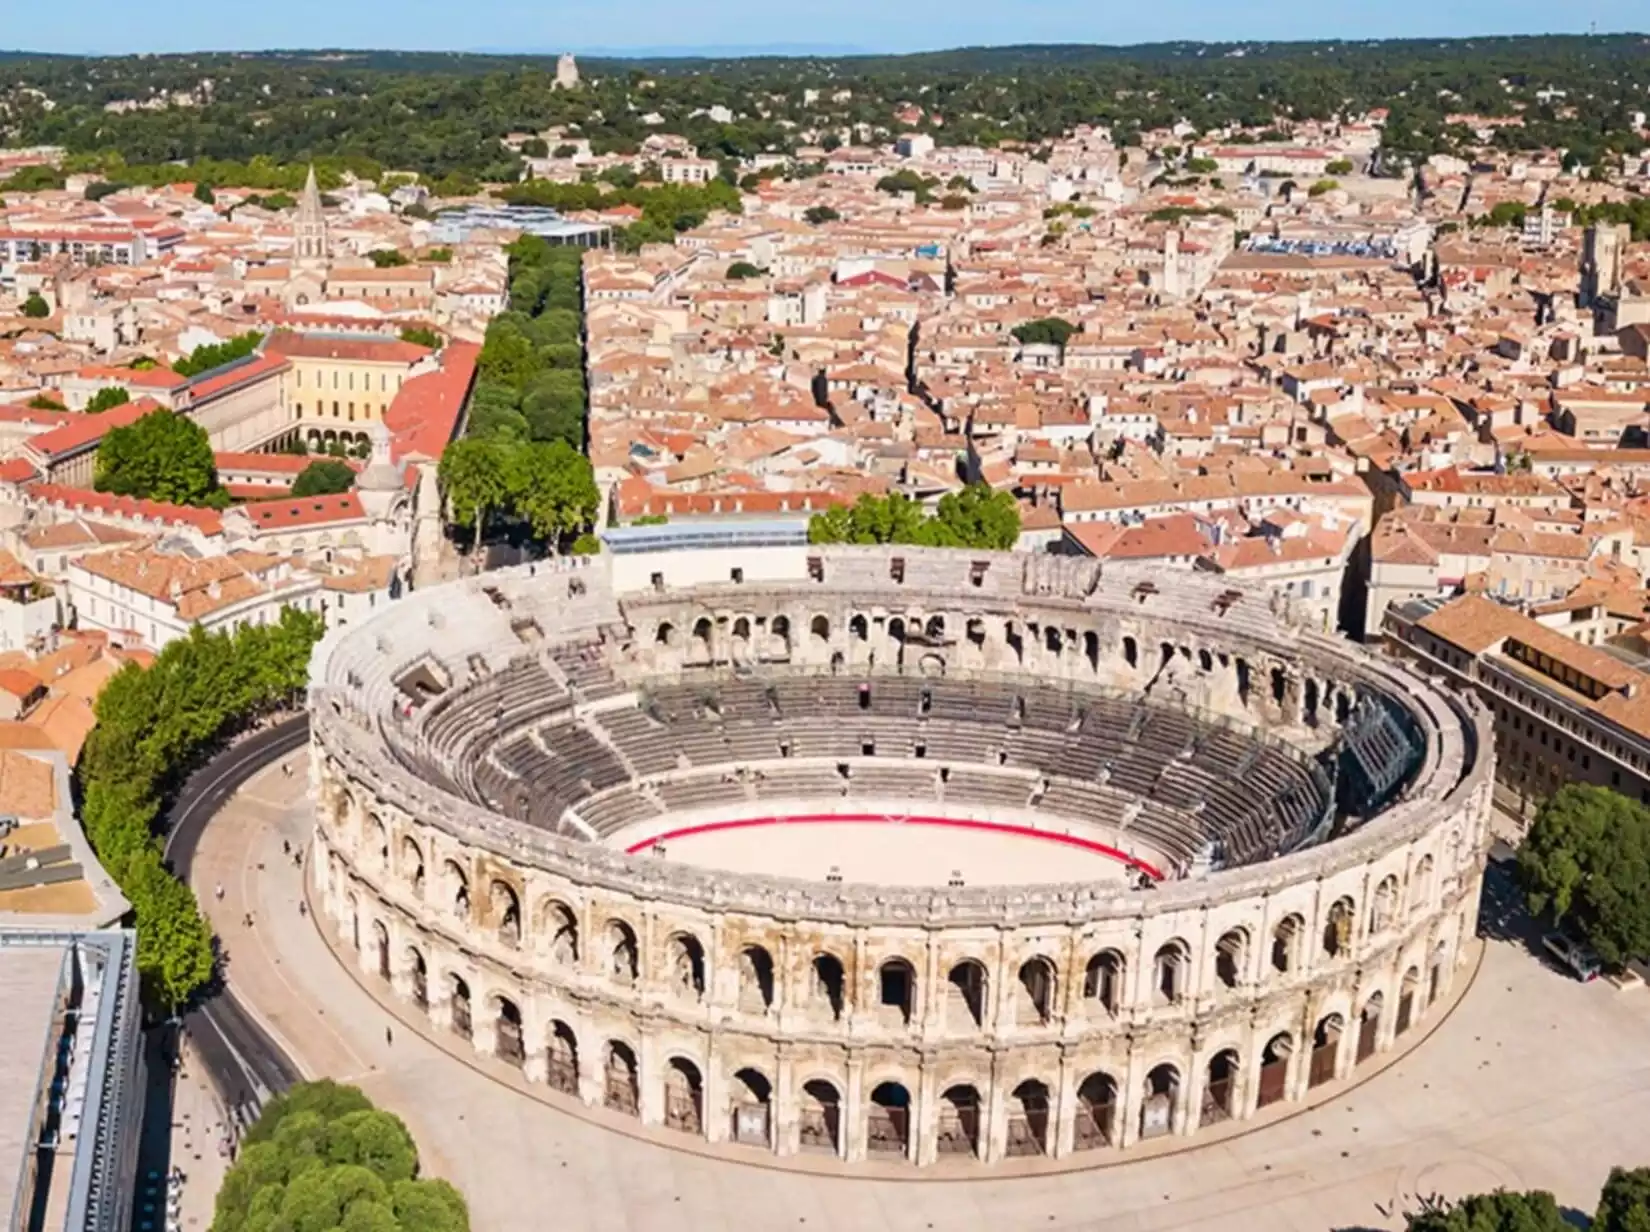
{"points": [[567, 71], [1601, 261], [309, 234]]}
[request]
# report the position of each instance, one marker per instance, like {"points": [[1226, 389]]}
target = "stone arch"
{"points": [[756, 983], [1131, 652], [380, 835], [896, 630], [665, 634], [353, 903], [1369, 1025], [506, 911], [562, 1058], [509, 1038], [819, 628], [1245, 680], [752, 1111], [457, 886], [1161, 1094], [1385, 905], [687, 965], [959, 1120], [1436, 972], [742, 630], [888, 1121], [699, 647], [559, 928], [621, 1088], [1408, 989], [965, 995], [1053, 642], [1220, 1087], [418, 977], [620, 952], [1103, 980], [1420, 885], [1171, 972], [1274, 1069], [859, 628], [897, 992], [819, 1117], [780, 629], [1337, 927], [1034, 993], [1096, 1113], [1280, 685], [412, 865], [1286, 943], [1326, 1048], [827, 985], [1205, 661], [381, 945], [1091, 649], [458, 999], [684, 1097], [934, 628], [1232, 957], [1028, 1118]]}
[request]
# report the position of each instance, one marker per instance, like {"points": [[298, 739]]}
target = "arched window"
{"points": [[820, 627], [684, 1097], [621, 952], [687, 966], [1034, 997], [755, 980], [819, 1119], [560, 931], [1384, 908], [508, 1045], [620, 1089], [458, 998], [665, 634], [1028, 1113], [1337, 928], [896, 992], [1157, 1108], [1326, 1046], [965, 996], [888, 1121], [1274, 1069], [959, 1125], [1096, 1113], [562, 1069], [1286, 944], [1220, 1089], [1103, 980], [752, 1099], [1232, 957], [827, 985], [1172, 972], [506, 912]]}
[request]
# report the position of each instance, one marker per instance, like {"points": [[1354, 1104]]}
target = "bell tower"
{"points": [[309, 233]]}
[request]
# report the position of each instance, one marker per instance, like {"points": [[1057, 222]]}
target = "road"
{"points": [[245, 1064]]}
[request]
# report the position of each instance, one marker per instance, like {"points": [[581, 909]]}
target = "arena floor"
{"points": [[899, 851]]}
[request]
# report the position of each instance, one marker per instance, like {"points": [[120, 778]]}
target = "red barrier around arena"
{"points": [[954, 823]]}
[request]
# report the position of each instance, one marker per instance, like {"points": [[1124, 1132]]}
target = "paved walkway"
{"points": [[1534, 1081]]}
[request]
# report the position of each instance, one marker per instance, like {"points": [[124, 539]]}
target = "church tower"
{"points": [[309, 234]]}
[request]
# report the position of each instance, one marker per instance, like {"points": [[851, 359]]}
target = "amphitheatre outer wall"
{"points": [[859, 1021]]}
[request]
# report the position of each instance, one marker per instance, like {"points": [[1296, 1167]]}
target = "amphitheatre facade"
{"points": [[892, 853]]}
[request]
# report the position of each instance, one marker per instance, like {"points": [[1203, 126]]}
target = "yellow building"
{"points": [[335, 386]]}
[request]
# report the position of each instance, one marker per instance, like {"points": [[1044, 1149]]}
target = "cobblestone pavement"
{"points": [[1533, 1081]]}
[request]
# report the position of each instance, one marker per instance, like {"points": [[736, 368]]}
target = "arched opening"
{"points": [[1435, 977], [458, 889], [412, 865], [381, 942], [665, 634], [965, 996], [620, 1090], [699, 651], [1052, 641], [934, 629], [742, 629], [896, 992], [888, 1121], [1034, 998], [556, 923], [859, 629], [896, 631], [1384, 907], [1028, 1119], [1274, 1069], [1091, 649], [974, 631], [755, 980], [621, 952], [1369, 1026], [819, 1119], [752, 1105], [1231, 957], [687, 966], [1131, 652], [826, 985], [1245, 682], [1337, 929], [1406, 1000], [684, 1097], [959, 1127], [420, 978], [506, 911], [1220, 1091], [459, 994], [1157, 1109], [1420, 885], [1309, 702], [562, 1060], [1286, 944], [1171, 972], [1103, 980], [1096, 1113], [1165, 654], [380, 843], [820, 628], [780, 627], [508, 1043], [1326, 1046], [1205, 662], [1280, 686]]}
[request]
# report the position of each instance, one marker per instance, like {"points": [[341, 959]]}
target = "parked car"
{"points": [[1573, 955]]}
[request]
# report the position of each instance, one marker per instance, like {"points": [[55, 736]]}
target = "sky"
{"points": [[121, 26]]}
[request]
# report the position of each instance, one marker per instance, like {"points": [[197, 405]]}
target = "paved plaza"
{"points": [[1533, 1081]]}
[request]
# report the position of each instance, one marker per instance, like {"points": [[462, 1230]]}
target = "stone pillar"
{"points": [[925, 1118], [1063, 1109], [852, 1126], [650, 1075], [784, 1129], [1131, 1097], [994, 1133], [534, 1038]]}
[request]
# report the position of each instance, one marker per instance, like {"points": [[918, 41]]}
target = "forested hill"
{"points": [[444, 114]]}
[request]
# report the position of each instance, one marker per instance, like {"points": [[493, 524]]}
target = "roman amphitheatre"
{"points": [[891, 854]]}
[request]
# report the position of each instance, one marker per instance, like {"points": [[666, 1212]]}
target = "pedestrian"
{"points": [[389, 1036], [248, 920], [286, 847], [218, 891], [286, 770], [303, 907]]}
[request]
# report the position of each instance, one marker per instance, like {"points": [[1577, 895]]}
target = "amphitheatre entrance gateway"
{"points": [[912, 856]]}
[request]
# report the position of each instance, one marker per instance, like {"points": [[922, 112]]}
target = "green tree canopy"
{"points": [[1624, 1205], [161, 456], [204, 193], [1587, 861], [35, 307], [740, 270], [1500, 1211], [473, 476], [419, 335], [107, 397], [216, 354], [324, 477], [818, 215], [976, 517], [551, 486], [1044, 330], [387, 258], [323, 1158]]}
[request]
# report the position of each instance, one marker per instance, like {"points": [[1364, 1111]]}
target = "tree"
{"points": [[1045, 330], [322, 1157], [743, 269], [1321, 187], [216, 354], [1586, 860], [35, 307], [204, 194], [1624, 1205], [387, 258], [422, 336], [107, 397], [1340, 166], [162, 456], [325, 477], [551, 485], [1500, 1211], [819, 215], [472, 474], [977, 517]]}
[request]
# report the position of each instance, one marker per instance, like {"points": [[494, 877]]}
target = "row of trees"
{"points": [[1623, 1206], [161, 456], [153, 726], [545, 485], [666, 208], [1586, 863], [322, 1158], [216, 354], [976, 517]]}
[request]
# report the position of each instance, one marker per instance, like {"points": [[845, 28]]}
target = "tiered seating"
{"points": [[585, 665], [648, 746], [609, 813], [983, 787]]}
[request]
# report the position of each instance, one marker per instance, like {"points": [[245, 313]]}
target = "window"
{"points": [[737, 574]]}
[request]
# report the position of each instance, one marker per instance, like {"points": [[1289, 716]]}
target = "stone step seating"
{"points": [[900, 783], [1176, 836], [700, 792], [585, 665], [1084, 801], [612, 811], [964, 786], [580, 766], [780, 782], [649, 746]]}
